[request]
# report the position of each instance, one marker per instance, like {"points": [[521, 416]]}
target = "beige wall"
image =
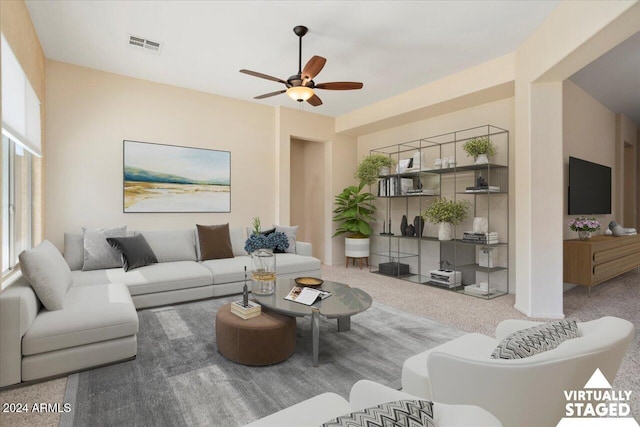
{"points": [[16, 25], [90, 113], [339, 167], [307, 193], [589, 133]]}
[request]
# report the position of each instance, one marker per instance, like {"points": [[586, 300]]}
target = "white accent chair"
{"points": [[365, 394], [521, 392]]}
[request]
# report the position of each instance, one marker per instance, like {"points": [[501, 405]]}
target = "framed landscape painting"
{"points": [[169, 178]]}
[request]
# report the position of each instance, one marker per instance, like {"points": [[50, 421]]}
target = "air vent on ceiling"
{"points": [[143, 43]]}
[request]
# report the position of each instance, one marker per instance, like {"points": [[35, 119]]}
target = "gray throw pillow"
{"points": [[290, 232], [48, 273], [74, 250], [135, 251], [98, 254], [392, 414], [535, 340], [172, 245], [237, 241]]}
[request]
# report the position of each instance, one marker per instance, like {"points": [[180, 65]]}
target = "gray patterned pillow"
{"points": [[290, 232], [538, 339], [97, 252], [402, 413]]}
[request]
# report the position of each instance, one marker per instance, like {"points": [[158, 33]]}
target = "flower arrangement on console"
{"points": [[257, 240], [584, 226], [582, 223]]}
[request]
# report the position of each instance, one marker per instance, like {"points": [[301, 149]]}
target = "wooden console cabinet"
{"points": [[600, 258]]}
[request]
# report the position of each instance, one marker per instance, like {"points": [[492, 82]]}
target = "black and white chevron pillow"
{"points": [[538, 339], [402, 413]]}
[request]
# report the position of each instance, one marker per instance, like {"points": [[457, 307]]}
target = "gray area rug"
{"points": [[180, 379]]}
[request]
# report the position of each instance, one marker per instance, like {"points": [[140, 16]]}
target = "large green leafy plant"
{"points": [[444, 210], [369, 168], [354, 210]]}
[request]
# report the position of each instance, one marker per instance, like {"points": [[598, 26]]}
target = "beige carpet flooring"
{"points": [[619, 297]]}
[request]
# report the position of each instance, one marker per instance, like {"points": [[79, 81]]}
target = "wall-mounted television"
{"points": [[589, 188]]}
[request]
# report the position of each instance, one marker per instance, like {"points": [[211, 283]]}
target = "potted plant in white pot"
{"points": [[373, 166], [446, 213], [480, 148], [353, 213]]}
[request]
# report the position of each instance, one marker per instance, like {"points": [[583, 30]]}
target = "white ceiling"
{"points": [[391, 46], [614, 78]]}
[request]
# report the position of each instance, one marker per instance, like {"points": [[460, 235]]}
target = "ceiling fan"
{"points": [[300, 87]]}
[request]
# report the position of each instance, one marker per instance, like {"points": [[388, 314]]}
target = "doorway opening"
{"points": [[307, 193], [629, 215]]}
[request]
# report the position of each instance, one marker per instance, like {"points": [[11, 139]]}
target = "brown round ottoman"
{"points": [[264, 340]]}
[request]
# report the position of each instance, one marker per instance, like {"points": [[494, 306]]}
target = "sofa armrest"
{"points": [[365, 394], [308, 413], [19, 306], [509, 326], [303, 248]]}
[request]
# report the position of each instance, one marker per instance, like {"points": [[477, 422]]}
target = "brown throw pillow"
{"points": [[215, 242]]}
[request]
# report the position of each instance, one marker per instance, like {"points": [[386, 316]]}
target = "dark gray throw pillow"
{"points": [[135, 251]]}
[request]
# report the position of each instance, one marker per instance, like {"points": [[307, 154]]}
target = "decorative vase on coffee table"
{"points": [[263, 272]]}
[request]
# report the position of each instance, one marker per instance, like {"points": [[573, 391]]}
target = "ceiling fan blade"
{"points": [[313, 67], [314, 100], [339, 85], [267, 95], [262, 76]]}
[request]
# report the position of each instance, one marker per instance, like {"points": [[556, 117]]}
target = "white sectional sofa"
{"points": [[98, 324]]}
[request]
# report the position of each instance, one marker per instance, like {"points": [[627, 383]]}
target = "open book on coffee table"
{"points": [[306, 296]]}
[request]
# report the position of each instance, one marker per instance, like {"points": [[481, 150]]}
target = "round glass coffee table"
{"points": [[343, 303]]}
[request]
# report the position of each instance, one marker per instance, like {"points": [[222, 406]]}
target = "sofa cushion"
{"points": [[48, 273], [215, 241], [535, 340], [97, 252], [74, 250], [292, 263], [229, 270], [90, 315], [172, 245], [162, 277], [290, 232], [399, 413], [135, 251]]}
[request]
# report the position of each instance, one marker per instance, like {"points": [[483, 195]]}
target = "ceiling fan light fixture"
{"points": [[300, 93]]}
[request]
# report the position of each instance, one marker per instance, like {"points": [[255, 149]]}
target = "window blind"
{"points": [[20, 104]]}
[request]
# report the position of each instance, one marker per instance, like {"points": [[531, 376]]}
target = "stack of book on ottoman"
{"points": [[251, 309]]}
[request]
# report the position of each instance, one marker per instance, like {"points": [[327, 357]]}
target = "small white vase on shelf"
{"points": [[445, 231], [482, 159]]}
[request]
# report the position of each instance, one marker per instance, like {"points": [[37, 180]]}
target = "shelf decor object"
{"points": [[467, 192], [584, 226]]}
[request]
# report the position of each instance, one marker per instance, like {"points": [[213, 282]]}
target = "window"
{"points": [[21, 140], [16, 202]]}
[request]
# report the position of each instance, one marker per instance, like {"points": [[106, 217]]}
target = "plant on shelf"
{"points": [[584, 226], [369, 168], [446, 213], [480, 148]]}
